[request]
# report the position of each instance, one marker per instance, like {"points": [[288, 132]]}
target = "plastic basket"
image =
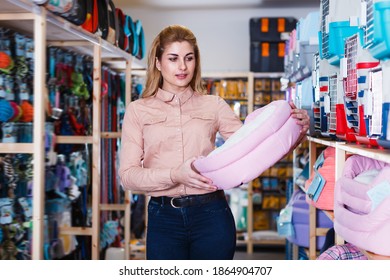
{"points": [[375, 111], [384, 139], [288, 71], [332, 104], [378, 31], [306, 52], [316, 95], [358, 62], [339, 20], [351, 45], [307, 37], [323, 70], [367, 22]]}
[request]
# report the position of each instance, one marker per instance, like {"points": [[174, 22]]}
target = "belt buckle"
{"points": [[173, 204]]}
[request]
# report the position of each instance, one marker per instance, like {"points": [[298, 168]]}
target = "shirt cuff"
{"points": [[165, 175]]}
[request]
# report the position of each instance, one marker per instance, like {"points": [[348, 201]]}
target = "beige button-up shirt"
{"points": [[161, 132]]}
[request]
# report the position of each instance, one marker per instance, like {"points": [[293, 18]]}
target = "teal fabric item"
{"points": [[141, 40]]}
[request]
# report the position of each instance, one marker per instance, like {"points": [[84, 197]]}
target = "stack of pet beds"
{"points": [[362, 204]]}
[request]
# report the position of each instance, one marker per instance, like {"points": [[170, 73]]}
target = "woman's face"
{"points": [[177, 66]]}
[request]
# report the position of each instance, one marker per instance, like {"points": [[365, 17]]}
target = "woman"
{"points": [[163, 133]]}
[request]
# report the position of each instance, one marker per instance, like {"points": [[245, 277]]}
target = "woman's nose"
{"points": [[183, 64]]}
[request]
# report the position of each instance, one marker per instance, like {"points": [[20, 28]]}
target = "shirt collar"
{"points": [[167, 96]]}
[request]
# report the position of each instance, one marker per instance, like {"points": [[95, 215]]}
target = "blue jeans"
{"points": [[201, 232]]}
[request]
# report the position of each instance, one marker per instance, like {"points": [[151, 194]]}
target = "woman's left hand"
{"points": [[302, 118]]}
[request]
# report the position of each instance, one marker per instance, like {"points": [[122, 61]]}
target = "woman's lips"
{"points": [[181, 76]]}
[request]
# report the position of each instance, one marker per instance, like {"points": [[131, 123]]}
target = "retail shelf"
{"points": [[76, 231], [225, 75], [321, 231], [272, 242], [59, 31], [342, 148], [235, 99], [374, 153], [74, 139], [378, 154], [269, 242], [113, 207], [138, 72], [241, 242], [111, 135], [271, 75], [261, 237], [48, 29], [17, 148], [323, 141]]}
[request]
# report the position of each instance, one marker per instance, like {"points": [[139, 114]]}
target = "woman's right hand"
{"points": [[187, 175]]}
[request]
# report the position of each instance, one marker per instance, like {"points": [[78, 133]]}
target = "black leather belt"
{"points": [[189, 200]]}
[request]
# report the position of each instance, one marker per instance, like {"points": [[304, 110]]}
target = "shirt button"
{"points": [[178, 129]]}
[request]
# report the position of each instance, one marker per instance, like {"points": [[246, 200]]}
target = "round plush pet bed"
{"points": [[362, 204], [267, 135]]}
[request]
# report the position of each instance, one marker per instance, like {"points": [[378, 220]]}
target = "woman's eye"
{"points": [[172, 59], [189, 58]]}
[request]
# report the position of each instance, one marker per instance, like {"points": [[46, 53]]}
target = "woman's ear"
{"points": [[158, 64]]}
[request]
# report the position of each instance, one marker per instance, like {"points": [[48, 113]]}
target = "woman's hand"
{"points": [[303, 119], [187, 175]]}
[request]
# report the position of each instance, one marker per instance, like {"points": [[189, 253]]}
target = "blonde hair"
{"points": [[169, 35]]}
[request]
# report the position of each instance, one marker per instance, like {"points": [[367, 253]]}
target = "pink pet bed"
{"points": [[266, 136], [327, 171], [360, 218]]}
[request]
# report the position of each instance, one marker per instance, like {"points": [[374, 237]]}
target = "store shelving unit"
{"points": [[341, 150], [249, 100], [266, 88], [51, 30], [271, 92], [138, 76], [217, 78], [225, 84]]}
